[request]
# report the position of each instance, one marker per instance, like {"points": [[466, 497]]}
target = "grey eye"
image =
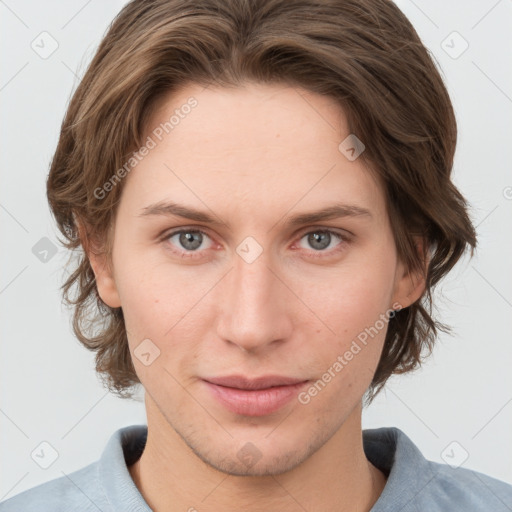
{"points": [[319, 240], [188, 240]]}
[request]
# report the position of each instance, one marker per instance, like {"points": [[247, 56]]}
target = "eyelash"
{"points": [[344, 239]]}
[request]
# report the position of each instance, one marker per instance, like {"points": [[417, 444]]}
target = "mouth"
{"points": [[254, 397]]}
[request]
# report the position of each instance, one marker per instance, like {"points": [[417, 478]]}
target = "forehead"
{"points": [[241, 118], [258, 146]]}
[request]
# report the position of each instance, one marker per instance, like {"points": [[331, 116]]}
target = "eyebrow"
{"points": [[335, 211]]}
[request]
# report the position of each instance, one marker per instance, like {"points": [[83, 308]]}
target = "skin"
{"points": [[252, 156]]}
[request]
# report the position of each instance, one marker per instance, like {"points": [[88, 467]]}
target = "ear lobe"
{"points": [[410, 286], [103, 273]]}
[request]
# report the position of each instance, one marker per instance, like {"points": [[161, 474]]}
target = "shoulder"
{"points": [[415, 483], [465, 489], [101, 485], [79, 490]]}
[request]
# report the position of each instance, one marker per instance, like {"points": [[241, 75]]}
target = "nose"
{"points": [[255, 305]]}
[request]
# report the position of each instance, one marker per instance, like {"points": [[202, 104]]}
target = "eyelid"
{"points": [[203, 254], [173, 231], [167, 234], [344, 236], [343, 233], [202, 229]]}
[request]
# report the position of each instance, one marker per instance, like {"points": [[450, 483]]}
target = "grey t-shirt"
{"points": [[414, 483]]}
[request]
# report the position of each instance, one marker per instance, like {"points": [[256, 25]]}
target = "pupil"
{"points": [[317, 239], [188, 238]]}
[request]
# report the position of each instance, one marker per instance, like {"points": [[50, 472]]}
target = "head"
{"points": [[256, 113]]}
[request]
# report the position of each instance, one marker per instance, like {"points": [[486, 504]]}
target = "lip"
{"points": [[263, 382], [254, 397]]}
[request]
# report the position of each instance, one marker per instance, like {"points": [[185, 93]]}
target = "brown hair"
{"points": [[363, 53]]}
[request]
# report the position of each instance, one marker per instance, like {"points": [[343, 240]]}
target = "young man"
{"points": [[262, 191]]}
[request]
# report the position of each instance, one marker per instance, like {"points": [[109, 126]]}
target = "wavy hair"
{"points": [[363, 53]]}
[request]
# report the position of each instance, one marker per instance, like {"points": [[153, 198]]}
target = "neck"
{"points": [[337, 477]]}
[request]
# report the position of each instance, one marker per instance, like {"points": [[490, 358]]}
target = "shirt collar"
{"points": [[123, 449], [407, 470], [387, 448]]}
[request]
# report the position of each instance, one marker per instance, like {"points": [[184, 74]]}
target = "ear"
{"points": [[103, 272], [409, 286]]}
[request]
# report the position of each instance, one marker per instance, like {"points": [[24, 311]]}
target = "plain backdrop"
{"points": [[459, 403]]}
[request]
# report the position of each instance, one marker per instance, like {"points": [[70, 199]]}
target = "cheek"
{"points": [[354, 298], [143, 304], [354, 308], [153, 293], [155, 312], [164, 306], [344, 363]]}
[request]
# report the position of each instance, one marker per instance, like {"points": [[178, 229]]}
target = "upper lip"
{"points": [[263, 382]]}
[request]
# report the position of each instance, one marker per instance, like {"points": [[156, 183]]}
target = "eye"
{"points": [[190, 243], [187, 241], [322, 239]]}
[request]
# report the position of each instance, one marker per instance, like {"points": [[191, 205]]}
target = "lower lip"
{"points": [[256, 402]]}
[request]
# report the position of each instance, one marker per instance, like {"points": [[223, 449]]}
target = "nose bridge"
{"points": [[254, 311], [253, 281]]}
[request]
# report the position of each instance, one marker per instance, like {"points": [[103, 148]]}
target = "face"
{"points": [[255, 290]]}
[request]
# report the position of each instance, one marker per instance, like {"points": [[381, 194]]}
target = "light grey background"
{"points": [[49, 391]]}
